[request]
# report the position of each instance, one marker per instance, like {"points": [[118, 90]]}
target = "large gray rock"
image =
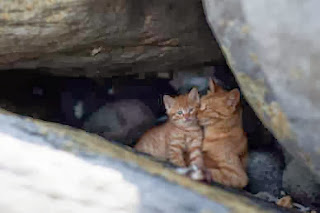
{"points": [[122, 121], [265, 170], [53, 168], [101, 37], [273, 48]]}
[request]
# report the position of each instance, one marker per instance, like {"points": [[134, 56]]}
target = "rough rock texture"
{"points": [[265, 170], [52, 168], [103, 37], [301, 185], [123, 121], [273, 50]]}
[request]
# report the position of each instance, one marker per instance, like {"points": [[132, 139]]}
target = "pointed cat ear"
{"points": [[193, 96], [211, 85], [168, 101], [233, 98]]}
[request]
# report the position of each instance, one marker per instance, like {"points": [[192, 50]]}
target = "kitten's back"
{"points": [[154, 141]]}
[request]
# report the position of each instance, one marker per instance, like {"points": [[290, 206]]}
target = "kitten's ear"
{"points": [[168, 101], [233, 98], [193, 96], [211, 85]]}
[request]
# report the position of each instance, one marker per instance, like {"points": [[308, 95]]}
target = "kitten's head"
{"points": [[217, 104], [182, 110]]}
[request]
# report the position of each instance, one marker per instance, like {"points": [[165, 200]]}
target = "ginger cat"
{"points": [[179, 140], [225, 143]]}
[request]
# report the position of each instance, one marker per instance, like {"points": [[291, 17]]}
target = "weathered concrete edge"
{"points": [[234, 202]]}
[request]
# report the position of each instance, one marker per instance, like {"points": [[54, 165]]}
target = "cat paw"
{"points": [[196, 173]]}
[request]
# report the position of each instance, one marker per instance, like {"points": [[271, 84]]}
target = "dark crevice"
{"points": [[81, 102]]}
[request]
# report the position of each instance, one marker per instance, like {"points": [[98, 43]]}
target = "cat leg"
{"points": [[196, 159], [229, 171], [176, 152]]}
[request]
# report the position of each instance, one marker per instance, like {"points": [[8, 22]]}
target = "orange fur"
{"points": [[225, 144], [179, 140]]}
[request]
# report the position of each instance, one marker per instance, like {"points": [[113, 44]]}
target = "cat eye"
{"points": [[191, 110], [179, 112]]}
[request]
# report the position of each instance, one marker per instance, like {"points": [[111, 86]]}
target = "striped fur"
{"points": [[225, 144], [179, 140]]}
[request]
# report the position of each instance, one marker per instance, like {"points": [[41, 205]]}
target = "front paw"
{"points": [[197, 175], [194, 172]]}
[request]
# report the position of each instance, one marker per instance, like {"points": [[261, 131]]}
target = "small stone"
{"points": [[95, 51], [285, 201]]}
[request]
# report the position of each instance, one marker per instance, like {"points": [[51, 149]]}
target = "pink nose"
{"points": [[187, 116]]}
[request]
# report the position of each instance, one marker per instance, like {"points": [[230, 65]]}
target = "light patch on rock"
{"points": [[95, 51], [39, 179], [78, 110]]}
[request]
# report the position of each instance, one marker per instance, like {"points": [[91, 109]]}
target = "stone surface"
{"points": [[46, 180], [265, 170], [301, 185], [273, 50], [104, 37], [123, 121], [53, 168]]}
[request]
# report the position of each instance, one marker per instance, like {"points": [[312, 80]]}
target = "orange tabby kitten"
{"points": [[225, 144], [179, 140]]}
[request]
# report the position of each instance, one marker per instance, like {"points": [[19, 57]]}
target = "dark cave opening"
{"points": [[73, 100], [122, 108]]}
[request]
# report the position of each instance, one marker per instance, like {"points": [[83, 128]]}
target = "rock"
{"points": [[273, 50], [265, 170], [121, 121], [80, 97], [43, 176], [300, 184], [185, 80], [80, 172], [104, 38], [285, 201]]}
